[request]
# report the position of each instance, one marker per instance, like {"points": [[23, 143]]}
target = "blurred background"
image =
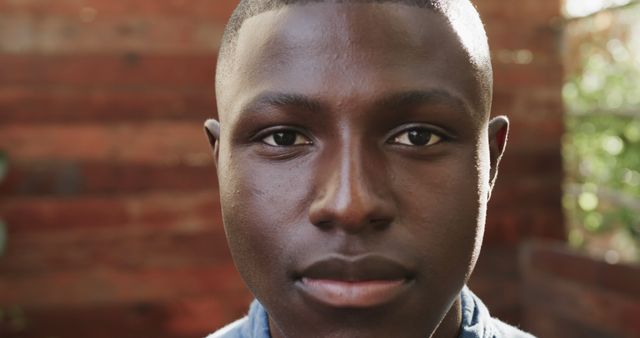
{"points": [[109, 216]]}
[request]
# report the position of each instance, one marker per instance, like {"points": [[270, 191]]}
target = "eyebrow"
{"points": [[274, 100], [394, 101], [414, 98]]}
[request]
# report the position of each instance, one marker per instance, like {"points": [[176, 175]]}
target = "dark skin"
{"points": [[349, 132]]}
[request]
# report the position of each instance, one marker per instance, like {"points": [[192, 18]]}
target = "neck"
{"points": [[449, 327]]}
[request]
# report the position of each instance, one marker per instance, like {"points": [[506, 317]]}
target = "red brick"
{"points": [[599, 310], [105, 285], [198, 316], [503, 101], [535, 104], [496, 281], [501, 296], [536, 11], [542, 40], [529, 105], [122, 70], [558, 261], [514, 192], [71, 178], [78, 104], [552, 262], [499, 263], [527, 166], [187, 210], [536, 135], [82, 250], [514, 224], [567, 285], [23, 34], [532, 75], [189, 317], [540, 322], [166, 143], [218, 10], [620, 278]]}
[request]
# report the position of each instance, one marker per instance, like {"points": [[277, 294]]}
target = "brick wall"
{"points": [[114, 224], [567, 294], [525, 42]]}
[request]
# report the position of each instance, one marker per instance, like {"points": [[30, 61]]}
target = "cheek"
{"points": [[261, 214], [444, 211]]}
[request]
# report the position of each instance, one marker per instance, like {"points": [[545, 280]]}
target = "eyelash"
{"points": [[301, 139], [297, 141], [272, 132], [434, 137]]}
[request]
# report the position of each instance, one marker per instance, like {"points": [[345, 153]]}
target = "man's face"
{"points": [[354, 168]]}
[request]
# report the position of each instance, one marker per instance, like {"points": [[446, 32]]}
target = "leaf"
{"points": [[4, 166], [3, 237]]}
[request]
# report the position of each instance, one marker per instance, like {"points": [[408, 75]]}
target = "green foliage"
{"points": [[608, 82], [602, 142], [3, 237], [604, 151], [13, 318], [602, 157], [4, 167], [3, 227]]}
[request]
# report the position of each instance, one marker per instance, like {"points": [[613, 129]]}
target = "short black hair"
{"points": [[247, 9]]}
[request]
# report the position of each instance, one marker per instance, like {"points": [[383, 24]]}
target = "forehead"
{"points": [[349, 53]]}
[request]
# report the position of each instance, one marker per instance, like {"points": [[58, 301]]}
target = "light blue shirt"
{"points": [[476, 322]]}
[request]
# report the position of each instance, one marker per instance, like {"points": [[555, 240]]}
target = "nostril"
{"points": [[324, 225], [380, 224]]}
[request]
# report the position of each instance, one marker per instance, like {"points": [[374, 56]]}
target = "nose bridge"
{"points": [[349, 182], [347, 193]]}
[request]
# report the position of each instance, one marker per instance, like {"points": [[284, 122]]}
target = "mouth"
{"points": [[359, 282]]}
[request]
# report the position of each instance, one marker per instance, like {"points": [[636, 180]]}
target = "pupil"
{"points": [[419, 137], [285, 138]]}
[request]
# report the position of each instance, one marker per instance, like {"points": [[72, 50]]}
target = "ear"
{"points": [[498, 133], [212, 130]]}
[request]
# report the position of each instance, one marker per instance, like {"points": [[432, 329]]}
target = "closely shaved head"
{"points": [[249, 8], [355, 159], [461, 14]]}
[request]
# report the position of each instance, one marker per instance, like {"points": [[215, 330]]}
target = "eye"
{"points": [[419, 137], [286, 138]]}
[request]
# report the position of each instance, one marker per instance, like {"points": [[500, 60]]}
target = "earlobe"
{"points": [[498, 134], [212, 130]]}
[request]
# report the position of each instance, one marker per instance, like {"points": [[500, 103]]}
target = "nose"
{"points": [[351, 193]]}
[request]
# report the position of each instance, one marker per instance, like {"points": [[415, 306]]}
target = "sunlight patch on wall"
{"points": [[579, 8]]}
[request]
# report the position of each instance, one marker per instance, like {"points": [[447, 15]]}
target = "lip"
{"points": [[354, 282]]}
